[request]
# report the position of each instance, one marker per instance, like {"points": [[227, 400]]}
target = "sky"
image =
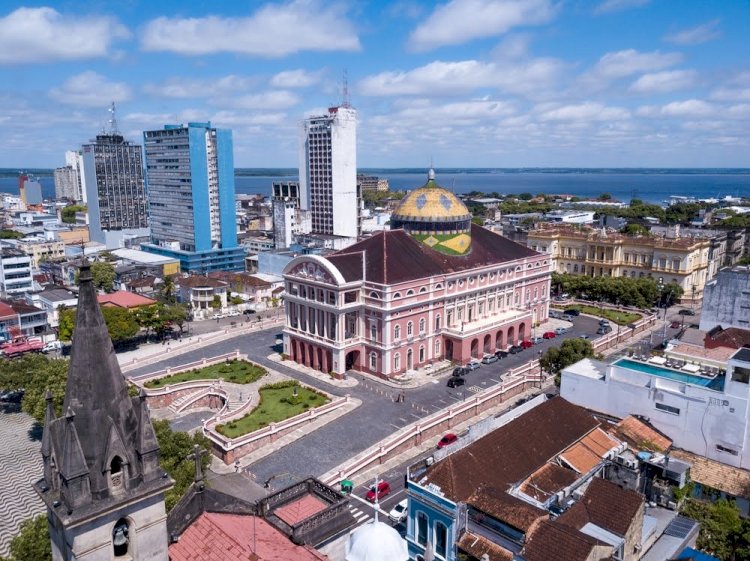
{"points": [[462, 83]]}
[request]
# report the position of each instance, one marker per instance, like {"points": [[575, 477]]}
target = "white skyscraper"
{"points": [[328, 172], [69, 180]]}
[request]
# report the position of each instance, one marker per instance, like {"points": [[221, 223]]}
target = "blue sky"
{"points": [[469, 83]]}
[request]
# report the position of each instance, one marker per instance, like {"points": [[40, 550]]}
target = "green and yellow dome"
{"points": [[435, 217]]}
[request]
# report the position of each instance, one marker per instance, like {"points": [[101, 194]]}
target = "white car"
{"points": [[52, 346], [233, 313], [398, 513]]}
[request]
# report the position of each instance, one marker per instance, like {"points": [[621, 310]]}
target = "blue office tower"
{"points": [[190, 180]]}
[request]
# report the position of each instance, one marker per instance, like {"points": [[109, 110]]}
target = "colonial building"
{"points": [[601, 253], [435, 287]]}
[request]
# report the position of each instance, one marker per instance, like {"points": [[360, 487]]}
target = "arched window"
{"points": [[397, 332], [421, 354], [397, 295], [373, 361], [437, 348], [397, 362], [409, 329], [121, 538], [438, 286], [375, 295], [410, 292], [421, 528], [441, 539], [116, 479], [421, 326], [422, 290]]}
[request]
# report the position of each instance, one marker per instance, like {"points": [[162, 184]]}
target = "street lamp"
{"points": [[692, 299], [540, 369]]}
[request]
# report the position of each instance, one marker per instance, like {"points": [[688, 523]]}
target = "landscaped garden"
{"points": [[615, 316], [234, 371], [278, 402]]}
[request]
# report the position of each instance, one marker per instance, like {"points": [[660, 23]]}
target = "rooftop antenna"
{"points": [[113, 120], [345, 90]]}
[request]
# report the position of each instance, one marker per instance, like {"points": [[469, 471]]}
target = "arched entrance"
{"points": [[499, 341], [511, 336], [352, 360], [487, 343], [475, 348], [320, 359], [448, 349], [409, 359], [522, 332]]}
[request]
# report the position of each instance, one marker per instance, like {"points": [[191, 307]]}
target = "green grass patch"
{"points": [[615, 316], [277, 403], [235, 371]]}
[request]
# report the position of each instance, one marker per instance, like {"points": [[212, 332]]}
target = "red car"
{"points": [[674, 325], [449, 438], [526, 344], [383, 489], [549, 335]]}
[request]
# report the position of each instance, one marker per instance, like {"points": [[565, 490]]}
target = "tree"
{"points": [[175, 447], [68, 214], [166, 292], [216, 302], [478, 220], [570, 352], [32, 543], [121, 323], [723, 533], [104, 275], [634, 229], [36, 374], [10, 235], [178, 314], [525, 196], [605, 197]]}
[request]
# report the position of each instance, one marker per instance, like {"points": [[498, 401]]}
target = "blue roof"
{"points": [[695, 555]]}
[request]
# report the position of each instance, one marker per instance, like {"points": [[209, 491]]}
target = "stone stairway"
{"points": [[180, 402]]}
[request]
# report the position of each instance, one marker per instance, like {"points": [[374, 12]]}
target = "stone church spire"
{"points": [[101, 457]]}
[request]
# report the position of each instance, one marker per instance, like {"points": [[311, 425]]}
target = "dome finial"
{"points": [[431, 174]]}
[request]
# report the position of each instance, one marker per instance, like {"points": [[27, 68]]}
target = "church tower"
{"points": [[102, 485]]}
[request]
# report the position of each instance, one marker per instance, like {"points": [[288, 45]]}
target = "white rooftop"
{"points": [[142, 256], [587, 367]]}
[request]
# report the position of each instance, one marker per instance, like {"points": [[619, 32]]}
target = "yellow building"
{"points": [[40, 251], [598, 252]]}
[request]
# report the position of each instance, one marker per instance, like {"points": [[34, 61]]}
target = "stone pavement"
{"points": [[21, 463]]}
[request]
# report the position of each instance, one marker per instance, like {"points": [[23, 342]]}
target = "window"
{"points": [[437, 322], [375, 295], [121, 538], [438, 286], [409, 329], [396, 362], [421, 326], [397, 295], [437, 348], [421, 354], [373, 361], [741, 375], [731, 451], [422, 290], [374, 331], [667, 408], [441, 539], [421, 528], [410, 292], [397, 332]]}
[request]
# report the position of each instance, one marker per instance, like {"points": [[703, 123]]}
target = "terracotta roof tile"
{"points": [[511, 510], [732, 337], [605, 504], [301, 509], [711, 473], [476, 546], [557, 541], [198, 281], [509, 454], [548, 480], [639, 435], [232, 537], [124, 299], [585, 455]]}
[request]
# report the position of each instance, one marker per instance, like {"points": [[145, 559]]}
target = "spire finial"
{"points": [[113, 120], [196, 457]]}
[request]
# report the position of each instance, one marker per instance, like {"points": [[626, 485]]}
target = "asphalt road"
{"points": [[377, 417]]}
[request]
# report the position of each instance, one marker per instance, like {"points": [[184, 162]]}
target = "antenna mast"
{"points": [[113, 120], [345, 90]]}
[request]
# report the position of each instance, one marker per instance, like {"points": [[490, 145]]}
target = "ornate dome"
{"points": [[376, 541], [436, 217]]}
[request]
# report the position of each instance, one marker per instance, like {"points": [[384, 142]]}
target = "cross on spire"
{"points": [[196, 457]]}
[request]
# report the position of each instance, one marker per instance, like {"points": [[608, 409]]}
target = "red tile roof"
{"points": [[6, 310], [124, 299], [394, 256], [732, 337], [639, 435], [548, 480], [507, 508], [557, 541], [509, 454], [585, 455], [605, 504], [477, 545], [197, 281], [233, 537], [301, 509]]}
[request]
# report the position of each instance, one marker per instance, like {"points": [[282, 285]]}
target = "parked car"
{"points": [[557, 314], [233, 313], [584, 336], [501, 354], [489, 359], [561, 330], [398, 513], [218, 316], [536, 340], [573, 313], [473, 365], [248, 312], [603, 322], [459, 371], [456, 381], [675, 325], [515, 349], [447, 440], [383, 489], [526, 344], [603, 330], [11, 396], [686, 312], [549, 335], [52, 346]]}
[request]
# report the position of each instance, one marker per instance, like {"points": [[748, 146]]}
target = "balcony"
{"points": [[496, 321]]}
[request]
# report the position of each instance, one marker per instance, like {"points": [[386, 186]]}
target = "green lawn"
{"points": [[621, 318], [235, 371], [277, 402]]}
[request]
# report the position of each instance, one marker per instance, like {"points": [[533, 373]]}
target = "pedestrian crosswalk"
{"points": [[360, 516]]}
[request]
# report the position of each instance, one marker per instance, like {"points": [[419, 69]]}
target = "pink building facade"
{"points": [[389, 304]]}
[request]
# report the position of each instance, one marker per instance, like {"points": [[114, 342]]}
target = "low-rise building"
{"points": [[124, 299], [51, 300], [15, 272], [727, 300], [570, 216], [598, 253], [39, 249], [204, 294]]}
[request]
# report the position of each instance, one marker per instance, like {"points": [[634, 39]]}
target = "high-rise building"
{"points": [[190, 175], [69, 180], [115, 191], [30, 190], [328, 172]]}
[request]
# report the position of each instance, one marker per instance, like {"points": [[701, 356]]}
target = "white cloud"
{"points": [[696, 35], [662, 82], [274, 30], [90, 89], [43, 34], [280, 99], [609, 6], [299, 78], [451, 78], [583, 112], [736, 89], [689, 108], [627, 62], [185, 88], [460, 21]]}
